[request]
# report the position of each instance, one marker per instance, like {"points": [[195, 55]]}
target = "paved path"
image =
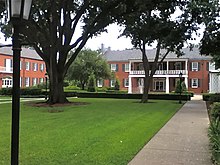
{"points": [[182, 141], [21, 100]]}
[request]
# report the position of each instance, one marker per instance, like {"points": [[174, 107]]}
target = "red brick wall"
{"points": [[120, 74], [24, 73], [202, 75]]}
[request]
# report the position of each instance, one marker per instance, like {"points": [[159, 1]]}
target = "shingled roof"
{"points": [[26, 53], [129, 54]]}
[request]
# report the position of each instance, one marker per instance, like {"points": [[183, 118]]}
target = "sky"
{"points": [[109, 39]]}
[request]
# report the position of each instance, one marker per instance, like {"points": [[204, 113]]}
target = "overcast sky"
{"points": [[109, 39]]}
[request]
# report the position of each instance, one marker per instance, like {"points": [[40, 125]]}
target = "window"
{"points": [[114, 67], [27, 65], [178, 66], [126, 82], [125, 67], [34, 81], [159, 85], [8, 64], [100, 83], [6, 82], [112, 83], [41, 80], [195, 83], [195, 66], [41, 67], [27, 81], [35, 66]]}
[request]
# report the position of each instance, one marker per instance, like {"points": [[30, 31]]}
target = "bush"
{"points": [[213, 97], [91, 83], [73, 87], [23, 91], [117, 84], [102, 89], [182, 89], [214, 137], [215, 111], [6, 91]]}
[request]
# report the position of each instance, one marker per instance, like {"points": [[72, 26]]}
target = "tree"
{"points": [[88, 62], [154, 22], [91, 83], [52, 33], [209, 15], [117, 84], [182, 88]]}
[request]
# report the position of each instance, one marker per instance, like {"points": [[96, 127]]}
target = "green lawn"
{"points": [[104, 132]]}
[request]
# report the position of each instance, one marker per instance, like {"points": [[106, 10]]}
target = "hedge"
{"points": [[23, 91], [213, 97], [129, 96]]}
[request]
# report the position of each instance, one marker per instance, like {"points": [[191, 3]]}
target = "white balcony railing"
{"points": [[160, 72], [5, 70]]}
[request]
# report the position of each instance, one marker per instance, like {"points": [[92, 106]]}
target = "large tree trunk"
{"points": [[147, 81]]}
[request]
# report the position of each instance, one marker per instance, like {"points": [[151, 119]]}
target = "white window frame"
{"points": [[41, 67], [113, 67], [126, 82], [195, 83], [159, 81], [195, 66], [35, 67], [41, 80], [27, 65], [127, 67], [27, 81], [100, 83], [112, 83], [34, 81], [6, 82]]}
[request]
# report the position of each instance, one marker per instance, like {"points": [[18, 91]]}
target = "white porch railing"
{"points": [[5, 70], [159, 72]]}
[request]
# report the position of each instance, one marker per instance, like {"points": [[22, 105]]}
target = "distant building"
{"points": [[197, 71], [32, 68]]}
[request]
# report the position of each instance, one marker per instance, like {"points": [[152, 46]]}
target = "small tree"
{"points": [[117, 84], [91, 83], [182, 88]]}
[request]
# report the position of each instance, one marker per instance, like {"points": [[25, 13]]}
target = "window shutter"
{"points": [[198, 82], [110, 67], [190, 66], [123, 67], [4, 62], [207, 66], [190, 83], [11, 63], [198, 66], [116, 67]]}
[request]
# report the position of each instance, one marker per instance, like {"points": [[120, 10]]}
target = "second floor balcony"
{"points": [[160, 72], [5, 69]]}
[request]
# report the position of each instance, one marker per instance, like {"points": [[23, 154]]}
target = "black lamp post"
{"points": [[180, 99], [46, 79], [18, 12]]}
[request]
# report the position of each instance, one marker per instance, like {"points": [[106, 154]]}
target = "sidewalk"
{"points": [[182, 141]]}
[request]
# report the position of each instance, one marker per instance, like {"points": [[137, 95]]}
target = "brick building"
{"points": [[128, 68], [32, 68]]}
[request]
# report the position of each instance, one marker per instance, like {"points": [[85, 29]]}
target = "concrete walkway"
{"points": [[182, 141]]}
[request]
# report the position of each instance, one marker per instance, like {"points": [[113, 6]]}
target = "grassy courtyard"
{"points": [[103, 132]]}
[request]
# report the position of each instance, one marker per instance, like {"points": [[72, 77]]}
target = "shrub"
{"points": [[215, 111], [91, 83], [102, 89], [182, 88], [72, 87], [214, 137], [6, 91], [117, 84]]}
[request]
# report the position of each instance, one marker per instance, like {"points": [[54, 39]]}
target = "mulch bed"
{"points": [[44, 104]]}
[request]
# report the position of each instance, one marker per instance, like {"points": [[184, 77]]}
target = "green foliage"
{"points": [[88, 61], [72, 88], [181, 88], [214, 132], [117, 84], [23, 91], [91, 83], [211, 97]]}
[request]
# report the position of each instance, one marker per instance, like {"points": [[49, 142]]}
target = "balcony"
{"points": [[160, 72], [5, 69]]}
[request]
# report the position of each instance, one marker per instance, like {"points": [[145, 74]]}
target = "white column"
{"points": [[130, 85], [186, 67], [186, 82], [167, 85]]}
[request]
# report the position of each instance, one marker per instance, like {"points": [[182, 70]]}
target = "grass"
{"points": [[104, 132]]}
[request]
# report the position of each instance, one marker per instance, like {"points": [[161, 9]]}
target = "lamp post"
{"points": [[46, 78], [180, 76], [18, 12]]}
